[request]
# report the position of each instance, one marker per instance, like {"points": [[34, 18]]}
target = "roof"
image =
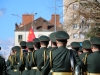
{"points": [[39, 24]]}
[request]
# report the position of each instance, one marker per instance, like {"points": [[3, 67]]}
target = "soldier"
{"points": [[28, 58], [2, 65], [75, 46], [32, 63], [15, 61], [59, 62], [23, 55], [9, 61], [39, 54], [86, 47], [48, 52], [93, 62]]}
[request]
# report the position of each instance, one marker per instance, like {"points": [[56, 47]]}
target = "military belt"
{"points": [[34, 68], [93, 73], [61, 73], [15, 70]]}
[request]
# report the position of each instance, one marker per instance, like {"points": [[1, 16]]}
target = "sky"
{"points": [[43, 8]]}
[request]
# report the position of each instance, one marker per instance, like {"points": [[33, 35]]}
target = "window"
{"points": [[75, 26], [75, 6], [81, 35], [20, 37], [75, 35]]}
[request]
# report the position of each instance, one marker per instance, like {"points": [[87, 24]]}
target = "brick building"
{"points": [[40, 25]]}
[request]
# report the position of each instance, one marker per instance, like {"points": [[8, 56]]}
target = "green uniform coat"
{"points": [[93, 62], [60, 61]]}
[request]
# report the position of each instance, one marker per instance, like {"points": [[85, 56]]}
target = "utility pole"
{"points": [[55, 15]]}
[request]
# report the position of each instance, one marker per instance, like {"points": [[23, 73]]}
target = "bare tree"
{"points": [[90, 10]]}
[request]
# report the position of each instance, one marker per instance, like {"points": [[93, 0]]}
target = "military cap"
{"points": [[29, 44], [36, 40], [52, 37], [86, 44], [75, 44], [17, 48], [61, 35], [44, 38], [22, 43], [95, 40]]}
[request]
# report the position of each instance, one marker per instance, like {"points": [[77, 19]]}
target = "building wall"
{"points": [[69, 16], [25, 35]]}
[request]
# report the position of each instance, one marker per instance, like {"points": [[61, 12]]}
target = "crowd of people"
{"points": [[36, 58]]}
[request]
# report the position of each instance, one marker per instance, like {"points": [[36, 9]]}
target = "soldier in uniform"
{"points": [[2, 65], [23, 55], [9, 61], [39, 54], [59, 62], [28, 58], [15, 61], [93, 62], [32, 63], [48, 52], [86, 47]]}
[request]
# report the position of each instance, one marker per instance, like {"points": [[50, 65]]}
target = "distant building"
{"points": [[73, 23], [41, 27]]}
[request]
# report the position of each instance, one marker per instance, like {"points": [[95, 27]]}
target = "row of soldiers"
{"points": [[40, 59]]}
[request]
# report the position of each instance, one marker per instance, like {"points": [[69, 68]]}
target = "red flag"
{"points": [[31, 35]]}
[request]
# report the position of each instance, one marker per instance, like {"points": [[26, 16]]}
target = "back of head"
{"points": [[23, 44], [36, 43], [0, 48], [44, 40], [75, 46], [53, 39], [86, 45], [61, 37], [29, 44], [17, 49]]}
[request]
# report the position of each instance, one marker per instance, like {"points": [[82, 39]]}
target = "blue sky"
{"points": [[43, 8]]}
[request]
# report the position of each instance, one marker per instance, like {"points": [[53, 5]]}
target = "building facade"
{"points": [[73, 21], [40, 27]]}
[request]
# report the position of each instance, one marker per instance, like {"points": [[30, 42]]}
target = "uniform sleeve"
{"points": [[78, 60], [46, 68], [41, 63], [27, 62]]}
